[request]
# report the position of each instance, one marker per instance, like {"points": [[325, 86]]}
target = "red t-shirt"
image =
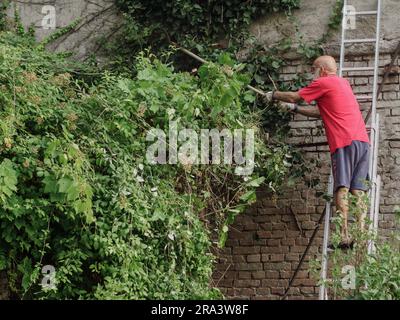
{"points": [[339, 110]]}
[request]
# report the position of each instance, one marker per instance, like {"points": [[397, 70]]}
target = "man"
{"points": [[345, 130]]}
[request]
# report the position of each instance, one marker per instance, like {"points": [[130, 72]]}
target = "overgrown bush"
{"points": [[77, 193]]}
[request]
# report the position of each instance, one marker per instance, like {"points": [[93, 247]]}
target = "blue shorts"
{"points": [[350, 166]]}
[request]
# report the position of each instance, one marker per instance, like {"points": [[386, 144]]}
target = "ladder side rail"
{"points": [[376, 63], [342, 47], [324, 269]]}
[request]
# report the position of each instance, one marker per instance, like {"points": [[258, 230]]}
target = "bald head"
{"points": [[327, 64]]}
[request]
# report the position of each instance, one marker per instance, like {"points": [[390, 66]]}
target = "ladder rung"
{"points": [[364, 97], [359, 40], [358, 69], [350, 219], [362, 13]]}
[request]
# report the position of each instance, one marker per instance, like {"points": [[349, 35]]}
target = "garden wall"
{"points": [[266, 242]]}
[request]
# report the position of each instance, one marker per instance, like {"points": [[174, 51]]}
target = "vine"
{"points": [[3, 14]]}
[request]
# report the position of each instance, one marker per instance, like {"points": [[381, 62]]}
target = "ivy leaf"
{"points": [[226, 59], [256, 182], [64, 184]]}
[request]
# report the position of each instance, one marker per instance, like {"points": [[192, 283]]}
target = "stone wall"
{"points": [[265, 244], [98, 21], [311, 22]]}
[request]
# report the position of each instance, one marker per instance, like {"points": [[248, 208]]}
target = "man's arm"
{"points": [[289, 102], [291, 97], [309, 111]]}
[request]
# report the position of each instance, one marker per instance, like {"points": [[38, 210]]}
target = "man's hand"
{"points": [[308, 111], [288, 106], [267, 97]]}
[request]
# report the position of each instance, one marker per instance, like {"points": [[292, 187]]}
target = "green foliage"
{"points": [[376, 275], [196, 25], [173, 20], [335, 20], [77, 193], [3, 16]]}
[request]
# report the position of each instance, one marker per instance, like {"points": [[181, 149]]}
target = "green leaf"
{"points": [[256, 182]]}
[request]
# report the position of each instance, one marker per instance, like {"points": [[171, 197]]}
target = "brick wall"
{"points": [[265, 244]]}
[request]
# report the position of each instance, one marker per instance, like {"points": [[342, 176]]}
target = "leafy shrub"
{"points": [[77, 193]]}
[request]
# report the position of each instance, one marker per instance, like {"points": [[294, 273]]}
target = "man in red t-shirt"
{"points": [[345, 130]]}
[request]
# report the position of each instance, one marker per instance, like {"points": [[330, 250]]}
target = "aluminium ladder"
{"points": [[375, 180]]}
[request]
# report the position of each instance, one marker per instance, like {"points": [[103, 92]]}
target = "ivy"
{"points": [[3, 14]]}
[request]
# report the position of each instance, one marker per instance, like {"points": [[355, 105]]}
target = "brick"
{"points": [[297, 249], [264, 234], [292, 257], [276, 257], [278, 226], [244, 275], [254, 258], [302, 124], [302, 241], [270, 274], [246, 243], [292, 234], [223, 266], [225, 283], [250, 227], [281, 249], [307, 290], [248, 266], [246, 283], [304, 282], [258, 275], [246, 250], [308, 225], [394, 144], [279, 291], [288, 242], [277, 266], [294, 291], [395, 112], [390, 96], [263, 291], [238, 235], [244, 292], [274, 283], [274, 242], [266, 226], [358, 81], [277, 234]]}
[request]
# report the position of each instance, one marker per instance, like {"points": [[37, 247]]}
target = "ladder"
{"points": [[375, 180]]}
